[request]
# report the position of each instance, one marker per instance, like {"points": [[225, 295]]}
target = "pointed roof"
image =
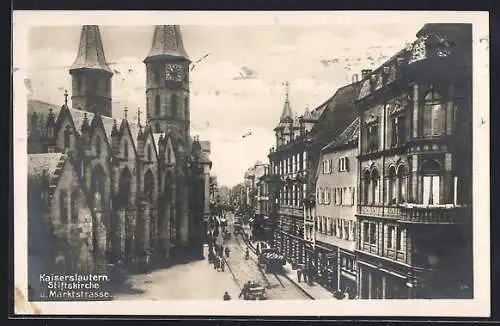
{"points": [[167, 44], [90, 52]]}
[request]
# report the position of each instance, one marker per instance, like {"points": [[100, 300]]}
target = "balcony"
{"points": [[418, 213], [433, 214]]}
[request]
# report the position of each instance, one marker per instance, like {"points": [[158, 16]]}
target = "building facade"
{"points": [[143, 189], [415, 170], [335, 223]]}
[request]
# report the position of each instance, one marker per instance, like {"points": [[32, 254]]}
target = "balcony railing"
{"points": [[418, 213], [433, 214]]}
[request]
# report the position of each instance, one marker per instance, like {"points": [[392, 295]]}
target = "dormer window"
{"points": [[419, 50]]}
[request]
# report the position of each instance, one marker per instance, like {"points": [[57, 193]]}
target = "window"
{"points": [[392, 186], [63, 207], [67, 134], [373, 233], [375, 186], [97, 146], [74, 206], [366, 232], [433, 115], [352, 192], [390, 236], [174, 103], [399, 239], [157, 106], [125, 149], [345, 195], [149, 153], [431, 183], [343, 164], [373, 137], [366, 187], [455, 190], [401, 184], [397, 131]]}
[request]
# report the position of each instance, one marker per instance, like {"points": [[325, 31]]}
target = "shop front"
{"points": [[326, 265], [347, 273], [380, 281]]}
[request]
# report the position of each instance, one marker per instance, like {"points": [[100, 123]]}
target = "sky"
{"points": [[236, 89]]}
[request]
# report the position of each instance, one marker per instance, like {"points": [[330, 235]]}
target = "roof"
{"points": [[48, 162], [348, 136], [167, 44], [90, 51], [42, 109]]}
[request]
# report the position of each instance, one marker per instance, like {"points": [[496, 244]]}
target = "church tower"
{"points": [[167, 83], [91, 75]]}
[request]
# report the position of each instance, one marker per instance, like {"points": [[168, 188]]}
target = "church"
{"points": [[105, 190]]}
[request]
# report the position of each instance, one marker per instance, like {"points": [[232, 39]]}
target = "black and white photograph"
{"points": [[290, 163]]}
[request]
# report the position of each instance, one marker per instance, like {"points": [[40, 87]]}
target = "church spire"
{"points": [[286, 114], [90, 52], [167, 44]]}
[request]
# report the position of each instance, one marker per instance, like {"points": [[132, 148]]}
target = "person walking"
{"points": [[299, 274], [227, 252], [245, 288], [222, 264]]}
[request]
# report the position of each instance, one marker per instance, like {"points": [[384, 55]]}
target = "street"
{"points": [[277, 286], [198, 280]]}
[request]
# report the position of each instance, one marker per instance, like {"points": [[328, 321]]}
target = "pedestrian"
{"points": [[245, 288], [247, 254], [216, 262], [222, 264], [226, 296], [299, 274], [227, 252]]}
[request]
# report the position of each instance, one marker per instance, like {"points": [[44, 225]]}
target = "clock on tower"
{"points": [[174, 72]]}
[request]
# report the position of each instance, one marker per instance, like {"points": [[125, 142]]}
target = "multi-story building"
{"points": [[335, 222], [415, 170], [113, 187]]}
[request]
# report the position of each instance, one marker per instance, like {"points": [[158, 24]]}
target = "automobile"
{"points": [[255, 292]]}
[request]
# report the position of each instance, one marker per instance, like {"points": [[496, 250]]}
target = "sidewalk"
{"points": [[315, 291]]}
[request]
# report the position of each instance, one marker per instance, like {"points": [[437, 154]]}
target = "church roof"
{"points": [[167, 44], [348, 136], [90, 51], [48, 162]]}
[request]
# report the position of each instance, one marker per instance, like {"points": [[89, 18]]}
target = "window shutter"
{"points": [[347, 164]]}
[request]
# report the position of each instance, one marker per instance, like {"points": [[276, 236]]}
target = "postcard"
{"points": [[251, 163]]}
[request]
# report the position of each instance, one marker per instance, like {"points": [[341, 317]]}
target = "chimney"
{"points": [[365, 72], [355, 78]]}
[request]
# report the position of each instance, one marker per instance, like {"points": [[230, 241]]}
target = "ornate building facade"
{"points": [[131, 192], [415, 170]]}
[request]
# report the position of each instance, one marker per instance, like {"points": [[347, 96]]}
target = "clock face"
{"points": [[174, 72]]}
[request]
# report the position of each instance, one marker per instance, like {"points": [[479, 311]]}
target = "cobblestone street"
{"points": [[277, 286]]}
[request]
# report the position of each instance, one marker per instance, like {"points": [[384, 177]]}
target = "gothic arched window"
{"points": [[375, 186], [401, 196], [174, 104], [74, 206], [67, 134], [98, 145], [149, 185], [431, 182], [366, 187], [433, 115], [63, 206], [125, 187], [392, 186], [149, 153], [157, 105]]}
